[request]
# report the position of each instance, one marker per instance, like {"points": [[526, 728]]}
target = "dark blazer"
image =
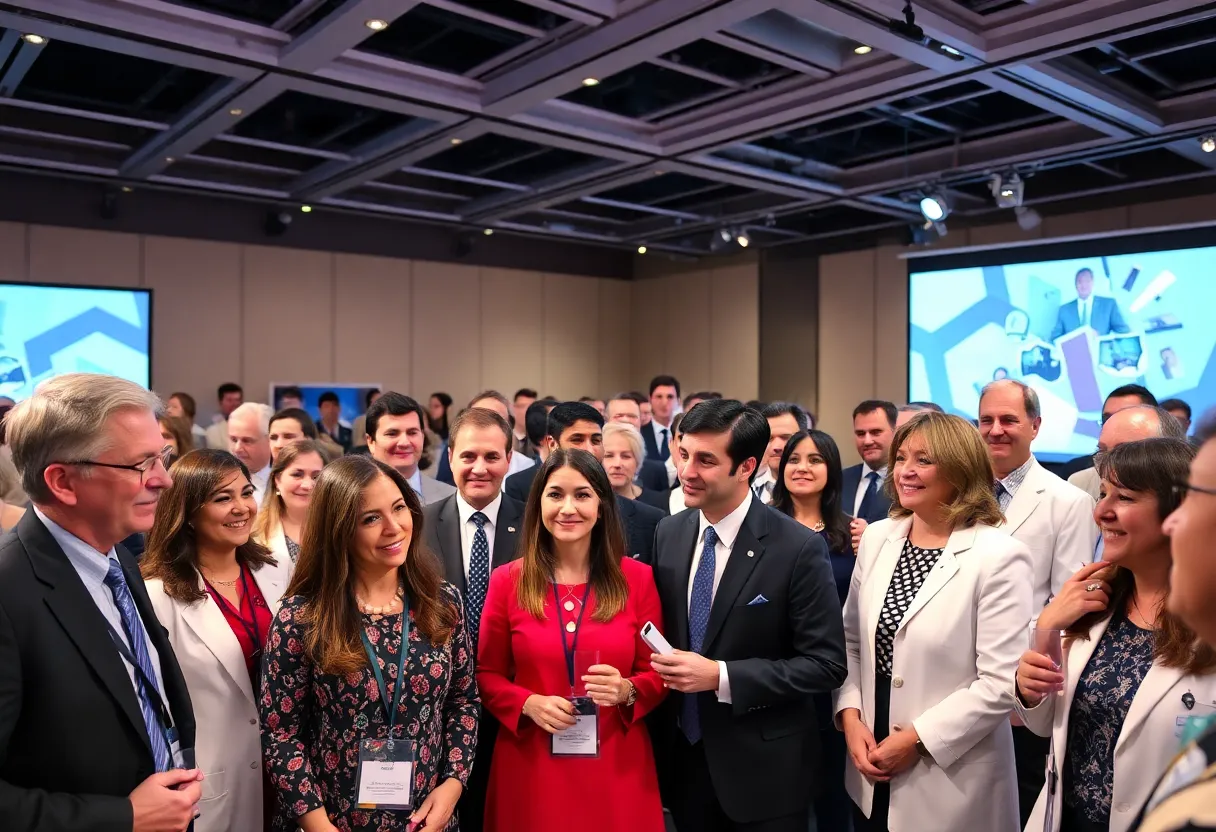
{"points": [[638, 519], [762, 749], [73, 744], [442, 535], [652, 475], [344, 437], [652, 444], [881, 505], [656, 499]]}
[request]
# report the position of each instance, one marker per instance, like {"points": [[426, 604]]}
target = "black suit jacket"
{"points": [[880, 506], [639, 519], [652, 444], [652, 475], [344, 437], [442, 523], [72, 741], [763, 748]]}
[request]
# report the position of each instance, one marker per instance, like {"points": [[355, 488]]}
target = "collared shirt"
{"points": [[92, 567], [658, 431], [673, 476], [468, 528], [1013, 481], [415, 482], [727, 529], [519, 462], [866, 470], [763, 485], [1085, 309], [261, 480]]}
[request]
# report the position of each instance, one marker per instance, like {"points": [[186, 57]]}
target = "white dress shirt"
{"points": [[673, 477], [727, 530], [261, 481], [416, 482], [468, 528], [1085, 309], [763, 485], [675, 502], [92, 567], [866, 470]]}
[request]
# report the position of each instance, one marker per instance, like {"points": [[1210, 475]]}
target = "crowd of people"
{"points": [[646, 612]]}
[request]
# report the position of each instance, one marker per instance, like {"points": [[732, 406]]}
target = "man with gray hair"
{"points": [[249, 441], [94, 711], [1130, 424], [1054, 520]]}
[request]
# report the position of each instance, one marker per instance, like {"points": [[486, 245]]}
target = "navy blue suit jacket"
{"points": [[880, 506]]}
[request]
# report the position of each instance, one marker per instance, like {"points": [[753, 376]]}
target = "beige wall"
{"points": [[700, 324], [863, 303], [257, 314]]}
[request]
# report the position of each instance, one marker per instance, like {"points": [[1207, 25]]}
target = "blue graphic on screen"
{"points": [[1073, 330], [49, 330]]}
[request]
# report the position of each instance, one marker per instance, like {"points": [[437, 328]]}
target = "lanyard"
{"points": [[162, 710], [371, 657], [569, 648], [251, 630]]}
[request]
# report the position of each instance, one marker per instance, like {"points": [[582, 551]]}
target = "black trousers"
{"points": [[694, 805], [1030, 757], [833, 807], [472, 806], [877, 821]]}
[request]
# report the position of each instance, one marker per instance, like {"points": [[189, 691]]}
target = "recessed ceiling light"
{"points": [[33, 40], [235, 111], [863, 49], [306, 209], [457, 141], [1208, 144], [950, 50], [126, 189], [590, 82], [488, 232], [170, 159], [641, 249], [376, 24]]}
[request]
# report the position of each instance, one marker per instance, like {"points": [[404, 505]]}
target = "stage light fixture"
{"points": [[641, 249], [376, 24], [1208, 143], [863, 49], [33, 39], [725, 235], [1007, 190], [742, 239], [1028, 218], [933, 206], [590, 82]]}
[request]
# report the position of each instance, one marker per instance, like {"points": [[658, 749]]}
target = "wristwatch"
{"points": [[633, 694]]}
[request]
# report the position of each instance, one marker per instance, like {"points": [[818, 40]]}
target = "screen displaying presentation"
{"points": [[49, 330], [1072, 329]]}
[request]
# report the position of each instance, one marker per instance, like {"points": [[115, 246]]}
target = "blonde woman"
{"points": [[624, 451], [293, 477], [935, 624]]}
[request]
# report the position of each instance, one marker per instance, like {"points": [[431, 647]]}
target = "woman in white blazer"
{"points": [[934, 624], [280, 522], [1133, 673], [215, 591]]}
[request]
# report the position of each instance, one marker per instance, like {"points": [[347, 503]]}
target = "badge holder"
{"points": [[386, 774], [582, 739]]}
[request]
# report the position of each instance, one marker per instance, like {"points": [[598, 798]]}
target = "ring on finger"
{"points": [[1093, 587]]}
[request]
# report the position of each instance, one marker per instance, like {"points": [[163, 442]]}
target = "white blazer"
{"points": [[1056, 522], [1147, 743], [955, 655], [229, 740], [276, 542]]}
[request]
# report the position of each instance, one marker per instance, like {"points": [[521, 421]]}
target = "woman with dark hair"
{"points": [[214, 589], [563, 666], [1131, 665], [808, 489], [368, 657], [176, 433], [437, 414], [293, 478]]}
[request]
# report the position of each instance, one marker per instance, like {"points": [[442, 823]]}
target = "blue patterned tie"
{"points": [[1003, 497], [136, 640], [479, 577], [867, 499], [698, 621]]}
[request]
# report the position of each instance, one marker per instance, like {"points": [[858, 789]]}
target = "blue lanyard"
{"points": [[404, 651], [570, 648], [158, 703]]}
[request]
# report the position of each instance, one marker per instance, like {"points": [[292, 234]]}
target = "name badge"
{"points": [[582, 739], [386, 774]]}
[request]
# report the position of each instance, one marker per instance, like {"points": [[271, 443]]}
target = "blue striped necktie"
{"points": [[136, 640], [698, 621]]}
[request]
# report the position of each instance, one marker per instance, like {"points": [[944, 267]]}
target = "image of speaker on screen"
{"points": [[1101, 314]]}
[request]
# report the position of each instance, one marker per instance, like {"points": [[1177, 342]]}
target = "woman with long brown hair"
{"points": [[563, 666], [367, 657], [293, 478], [1131, 668], [214, 589]]}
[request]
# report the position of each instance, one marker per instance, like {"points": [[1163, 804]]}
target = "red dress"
{"points": [[519, 655]]}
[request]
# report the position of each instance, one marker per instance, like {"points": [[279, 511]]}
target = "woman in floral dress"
{"points": [[362, 578]]}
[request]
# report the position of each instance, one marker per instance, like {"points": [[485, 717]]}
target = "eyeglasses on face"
{"points": [[165, 457], [1181, 489]]}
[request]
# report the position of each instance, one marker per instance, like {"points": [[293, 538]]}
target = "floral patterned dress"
{"points": [[312, 722]]}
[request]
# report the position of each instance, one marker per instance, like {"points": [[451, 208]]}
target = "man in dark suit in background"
{"points": [[93, 705], [751, 608], [656, 432], [472, 532], [862, 484], [579, 425], [331, 412]]}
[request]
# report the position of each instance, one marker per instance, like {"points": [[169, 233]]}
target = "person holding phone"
{"points": [[1131, 668], [573, 751]]}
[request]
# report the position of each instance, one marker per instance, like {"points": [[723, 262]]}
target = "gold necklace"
{"points": [[389, 609], [233, 582]]}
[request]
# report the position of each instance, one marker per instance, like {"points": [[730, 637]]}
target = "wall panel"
{"points": [[571, 359], [512, 330], [14, 265], [79, 256], [447, 320], [372, 318]]}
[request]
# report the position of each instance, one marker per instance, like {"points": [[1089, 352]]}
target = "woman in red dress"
{"points": [[571, 594]]}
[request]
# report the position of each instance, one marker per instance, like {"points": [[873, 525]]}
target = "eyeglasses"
{"points": [[165, 457], [1181, 489]]}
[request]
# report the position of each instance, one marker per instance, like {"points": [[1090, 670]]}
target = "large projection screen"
{"points": [[1074, 321], [47, 330]]}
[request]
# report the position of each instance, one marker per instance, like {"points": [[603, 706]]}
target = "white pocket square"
{"points": [[759, 599]]}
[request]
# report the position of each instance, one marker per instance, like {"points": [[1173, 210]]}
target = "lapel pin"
{"points": [[1188, 699], [750, 553], [510, 528]]}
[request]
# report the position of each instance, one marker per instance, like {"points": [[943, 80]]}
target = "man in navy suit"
{"points": [[862, 485], [1101, 314], [656, 433], [579, 425]]}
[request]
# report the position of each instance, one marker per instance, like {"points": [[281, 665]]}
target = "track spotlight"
{"points": [[1028, 218], [1208, 143], [725, 235], [305, 209], [641, 249], [488, 232], [934, 207], [742, 239], [276, 222], [1007, 191]]}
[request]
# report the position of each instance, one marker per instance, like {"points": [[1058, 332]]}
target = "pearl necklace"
{"points": [[389, 609]]}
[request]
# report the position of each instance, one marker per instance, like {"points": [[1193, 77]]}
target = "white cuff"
{"points": [[723, 684]]}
